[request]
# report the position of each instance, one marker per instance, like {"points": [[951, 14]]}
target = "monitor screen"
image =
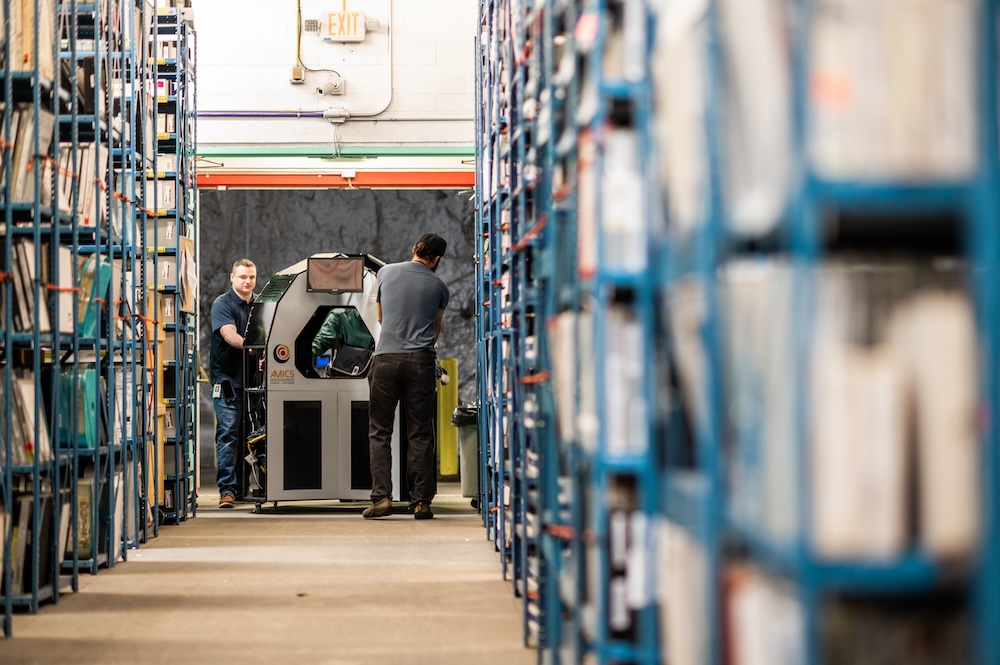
{"points": [[335, 274]]}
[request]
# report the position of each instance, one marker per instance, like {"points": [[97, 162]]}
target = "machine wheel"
{"points": [[274, 505], [257, 508]]}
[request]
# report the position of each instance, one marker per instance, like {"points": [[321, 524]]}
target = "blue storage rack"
{"points": [[89, 376], [176, 141], [554, 497]]}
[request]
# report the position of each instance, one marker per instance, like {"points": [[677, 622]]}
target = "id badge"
{"points": [[217, 391]]}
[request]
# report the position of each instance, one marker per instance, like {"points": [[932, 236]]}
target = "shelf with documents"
{"points": [[171, 227], [555, 291], [713, 262], [71, 332], [800, 287]]}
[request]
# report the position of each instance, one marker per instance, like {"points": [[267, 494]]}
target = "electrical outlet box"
{"points": [[298, 75], [310, 25]]}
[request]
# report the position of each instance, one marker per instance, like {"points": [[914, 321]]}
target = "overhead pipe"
{"points": [[260, 114]]}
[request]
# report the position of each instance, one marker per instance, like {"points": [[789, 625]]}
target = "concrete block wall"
{"points": [[246, 50]]}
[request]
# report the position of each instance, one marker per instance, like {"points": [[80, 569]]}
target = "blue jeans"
{"points": [[406, 377], [227, 431]]}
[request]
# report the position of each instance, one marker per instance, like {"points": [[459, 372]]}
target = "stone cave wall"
{"points": [[277, 228]]}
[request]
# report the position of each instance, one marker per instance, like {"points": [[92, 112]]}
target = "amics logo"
{"points": [[282, 376], [282, 353]]}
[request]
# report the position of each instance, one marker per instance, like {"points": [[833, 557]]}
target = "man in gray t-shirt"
{"points": [[410, 304]]}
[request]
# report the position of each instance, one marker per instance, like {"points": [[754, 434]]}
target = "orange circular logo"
{"points": [[282, 353]]}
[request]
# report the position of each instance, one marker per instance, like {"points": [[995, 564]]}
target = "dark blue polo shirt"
{"points": [[227, 362]]}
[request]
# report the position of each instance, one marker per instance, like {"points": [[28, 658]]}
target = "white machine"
{"points": [[308, 413]]}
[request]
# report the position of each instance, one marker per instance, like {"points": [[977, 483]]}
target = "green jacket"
{"points": [[343, 327]]}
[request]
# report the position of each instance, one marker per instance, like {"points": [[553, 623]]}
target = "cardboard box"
{"points": [[161, 231], [166, 271], [168, 310], [168, 350], [161, 194], [170, 422]]}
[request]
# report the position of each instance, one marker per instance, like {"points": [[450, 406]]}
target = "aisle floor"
{"points": [[309, 583]]}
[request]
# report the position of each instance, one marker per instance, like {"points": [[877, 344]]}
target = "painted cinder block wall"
{"points": [[246, 50]]}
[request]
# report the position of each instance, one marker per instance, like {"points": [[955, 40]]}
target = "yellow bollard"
{"points": [[447, 434]]}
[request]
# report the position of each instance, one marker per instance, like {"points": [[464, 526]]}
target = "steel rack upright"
{"points": [[175, 246]]}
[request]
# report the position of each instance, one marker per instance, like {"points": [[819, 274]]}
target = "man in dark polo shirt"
{"points": [[230, 312]]}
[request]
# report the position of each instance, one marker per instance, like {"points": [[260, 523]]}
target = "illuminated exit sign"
{"points": [[345, 27]]}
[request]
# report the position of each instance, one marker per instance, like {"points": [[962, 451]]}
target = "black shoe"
{"points": [[379, 508], [422, 511]]}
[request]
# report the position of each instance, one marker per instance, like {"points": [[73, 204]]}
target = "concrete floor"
{"points": [[311, 583]]}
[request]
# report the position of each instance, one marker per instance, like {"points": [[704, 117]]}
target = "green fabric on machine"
{"points": [[345, 333]]}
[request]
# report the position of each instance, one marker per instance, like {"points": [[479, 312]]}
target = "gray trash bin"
{"points": [[466, 418]]}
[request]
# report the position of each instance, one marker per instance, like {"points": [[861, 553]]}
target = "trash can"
{"points": [[466, 418]]}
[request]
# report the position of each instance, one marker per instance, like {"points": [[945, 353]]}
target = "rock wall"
{"points": [[277, 228]]}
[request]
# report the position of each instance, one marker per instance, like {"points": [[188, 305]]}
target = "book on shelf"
{"points": [[21, 540], [5, 520], [764, 622], [19, 455], [32, 273], [757, 114], [95, 278], [587, 422], [32, 414], [86, 490], [89, 395], [685, 313], [859, 453], [681, 594], [939, 347], [562, 333], [25, 158], [65, 519], [626, 411], [27, 53], [92, 164], [758, 395], [679, 94], [587, 196], [187, 277], [66, 322], [623, 208]]}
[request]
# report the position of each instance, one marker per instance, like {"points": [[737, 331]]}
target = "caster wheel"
{"points": [[257, 508]]}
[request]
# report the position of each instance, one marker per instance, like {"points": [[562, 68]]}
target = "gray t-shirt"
{"points": [[411, 295]]}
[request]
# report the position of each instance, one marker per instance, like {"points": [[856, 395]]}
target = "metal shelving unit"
{"points": [[85, 274], [175, 243], [635, 441]]}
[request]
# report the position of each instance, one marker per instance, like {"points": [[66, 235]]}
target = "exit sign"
{"points": [[345, 27]]}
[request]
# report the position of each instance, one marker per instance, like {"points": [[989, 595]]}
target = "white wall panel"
{"points": [[246, 51]]}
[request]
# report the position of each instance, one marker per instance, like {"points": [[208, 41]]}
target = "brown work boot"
{"points": [[379, 508], [227, 501], [422, 511]]}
